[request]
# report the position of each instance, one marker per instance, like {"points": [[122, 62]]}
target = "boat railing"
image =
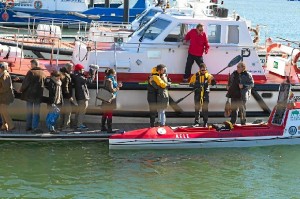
{"points": [[111, 26]]}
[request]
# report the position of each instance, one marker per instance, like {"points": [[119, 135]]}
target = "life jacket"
{"points": [[202, 80]]}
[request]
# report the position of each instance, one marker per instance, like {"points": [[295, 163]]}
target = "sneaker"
{"points": [[82, 127]]}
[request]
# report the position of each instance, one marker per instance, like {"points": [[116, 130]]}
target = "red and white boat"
{"points": [[282, 128]]}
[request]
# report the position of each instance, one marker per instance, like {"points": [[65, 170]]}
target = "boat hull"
{"points": [[122, 144]]}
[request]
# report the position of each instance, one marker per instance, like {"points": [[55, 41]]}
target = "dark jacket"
{"points": [[80, 84], [55, 91], [235, 79], [6, 89], [66, 86], [33, 85]]}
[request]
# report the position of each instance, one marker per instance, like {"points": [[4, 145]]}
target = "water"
{"points": [[90, 170], [280, 16]]}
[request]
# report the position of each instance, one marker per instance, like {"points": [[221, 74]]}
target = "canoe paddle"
{"points": [[233, 62]]}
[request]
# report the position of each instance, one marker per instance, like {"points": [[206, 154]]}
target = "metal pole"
{"points": [[107, 4], [126, 11]]}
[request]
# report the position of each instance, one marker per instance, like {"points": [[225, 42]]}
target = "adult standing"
{"points": [[67, 93], [198, 46], [158, 96], [201, 82], [112, 86], [32, 92], [239, 90], [6, 97], [81, 93]]}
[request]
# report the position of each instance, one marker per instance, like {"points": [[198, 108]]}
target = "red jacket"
{"points": [[198, 43]]}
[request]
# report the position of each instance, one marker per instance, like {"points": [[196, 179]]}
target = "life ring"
{"points": [[256, 36], [9, 3], [295, 60], [270, 47], [38, 5]]}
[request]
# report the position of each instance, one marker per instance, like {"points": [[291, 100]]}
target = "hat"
{"points": [[78, 67]]}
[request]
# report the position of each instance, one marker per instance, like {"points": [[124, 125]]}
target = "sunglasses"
{"points": [[203, 70]]}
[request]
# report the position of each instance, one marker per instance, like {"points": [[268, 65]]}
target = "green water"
{"points": [[90, 170]]}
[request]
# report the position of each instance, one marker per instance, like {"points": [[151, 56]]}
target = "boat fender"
{"points": [[38, 5], [269, 49], [256, 36], [93, 17], [161, 131], [77, 14], [9, 3]]}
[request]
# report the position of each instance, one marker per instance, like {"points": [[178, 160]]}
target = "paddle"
{"points": [[233, 62]]}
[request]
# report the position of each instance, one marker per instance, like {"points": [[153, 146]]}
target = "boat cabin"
{"points": [[160, 41]]}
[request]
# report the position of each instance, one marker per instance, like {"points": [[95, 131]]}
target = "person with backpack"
{"points": [[201, 82]]}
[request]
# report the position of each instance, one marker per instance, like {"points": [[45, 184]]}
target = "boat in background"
{"points": [[282, 128], [18, 12]]}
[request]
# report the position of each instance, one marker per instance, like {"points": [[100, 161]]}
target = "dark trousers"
{"points": [[238, 104], [204, 107], [153, 113], [189, 63]]}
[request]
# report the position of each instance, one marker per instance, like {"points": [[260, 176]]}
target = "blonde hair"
{"points": [[243, 65]]}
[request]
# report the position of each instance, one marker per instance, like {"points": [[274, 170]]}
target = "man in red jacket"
{"points": [[198, 46]]}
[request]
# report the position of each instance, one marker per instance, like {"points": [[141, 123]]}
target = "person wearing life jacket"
{"points": [[239, 90], [201, 82], [157, 96]]}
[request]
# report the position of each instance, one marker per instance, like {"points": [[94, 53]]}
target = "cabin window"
{"points": [[175, 35], [233, 34], [214, 33], [147, 16], [154, 29]]}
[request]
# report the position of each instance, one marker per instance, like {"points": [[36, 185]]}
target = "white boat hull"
{"points": [[202, 143]]}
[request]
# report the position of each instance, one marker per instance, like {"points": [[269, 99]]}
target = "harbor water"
{"points": [[90, 170]]}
